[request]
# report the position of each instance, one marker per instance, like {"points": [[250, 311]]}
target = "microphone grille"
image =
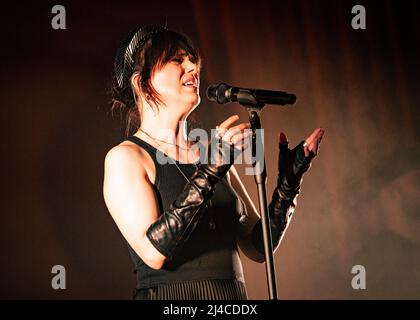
{"points": [[217, 93], [211, 92]]}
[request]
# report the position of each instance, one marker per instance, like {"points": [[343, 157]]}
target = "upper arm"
{"points": [[131, 200], [245, 233]]}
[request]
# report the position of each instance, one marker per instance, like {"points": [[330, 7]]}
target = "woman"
{"points": [[180, 219]]}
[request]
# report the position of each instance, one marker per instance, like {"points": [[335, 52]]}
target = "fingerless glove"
{"points": [[292, 165]]}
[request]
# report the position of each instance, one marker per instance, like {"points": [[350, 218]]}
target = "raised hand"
{"points": [[225, 146], [292, 164]]}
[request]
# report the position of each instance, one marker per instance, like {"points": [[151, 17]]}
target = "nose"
{"points": [[190, 67]]}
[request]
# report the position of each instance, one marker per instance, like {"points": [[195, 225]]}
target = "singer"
{"points": [[181, 219]]}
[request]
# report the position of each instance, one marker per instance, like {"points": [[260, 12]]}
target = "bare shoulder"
{"points": [[124, 155], [129, 157]]}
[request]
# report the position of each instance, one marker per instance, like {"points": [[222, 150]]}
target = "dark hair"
{"points": [[160, 48]]}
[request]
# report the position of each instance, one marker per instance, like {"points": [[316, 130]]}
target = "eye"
{"points": [[177, 60], [193, 59]]}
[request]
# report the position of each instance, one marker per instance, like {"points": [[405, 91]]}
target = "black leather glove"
{"points": [[292, 165], [176, 224]]}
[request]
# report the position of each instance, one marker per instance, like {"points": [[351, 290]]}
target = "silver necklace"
{"points": [[156, 139]]}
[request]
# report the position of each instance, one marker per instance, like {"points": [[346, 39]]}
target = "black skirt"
{"points": [[219, 289]]}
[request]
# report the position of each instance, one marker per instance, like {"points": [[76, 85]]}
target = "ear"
{"points": [[135, 80]]}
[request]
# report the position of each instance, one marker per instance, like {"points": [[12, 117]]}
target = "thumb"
{"points": [[283, 142]]}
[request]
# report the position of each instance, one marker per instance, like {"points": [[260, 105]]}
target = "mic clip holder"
{"points": [[247, 99]]}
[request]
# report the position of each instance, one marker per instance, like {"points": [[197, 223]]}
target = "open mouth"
{"points": [[190, 84]]}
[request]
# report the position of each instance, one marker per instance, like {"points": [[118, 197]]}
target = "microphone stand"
{"points": [[247, 99]]}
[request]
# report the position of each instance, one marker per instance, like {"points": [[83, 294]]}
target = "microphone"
{"points": [[224, 93]]}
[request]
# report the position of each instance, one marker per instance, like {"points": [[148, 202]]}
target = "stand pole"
{"points": [[260, 176], [246, 98]]}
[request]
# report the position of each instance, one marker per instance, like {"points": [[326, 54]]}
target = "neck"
{"points": [[170, 129]]}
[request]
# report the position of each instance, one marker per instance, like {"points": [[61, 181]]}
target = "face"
{"points": [[178, 81]]}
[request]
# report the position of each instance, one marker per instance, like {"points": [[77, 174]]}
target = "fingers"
{"points": [[235, 131], [313, 135], [228, 122], [234, 134], [240, 137], [313, 142], [283, 142], [283, 138]]}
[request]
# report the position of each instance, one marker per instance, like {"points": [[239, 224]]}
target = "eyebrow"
{"points": [[181, 53]]}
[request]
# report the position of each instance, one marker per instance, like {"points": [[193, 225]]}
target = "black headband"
{"points": [[126, 53]]}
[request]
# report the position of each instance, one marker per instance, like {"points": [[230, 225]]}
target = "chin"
{"points": [[195, 102]]}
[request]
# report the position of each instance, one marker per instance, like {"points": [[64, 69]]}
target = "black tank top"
{"points": [[211, 251]]}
